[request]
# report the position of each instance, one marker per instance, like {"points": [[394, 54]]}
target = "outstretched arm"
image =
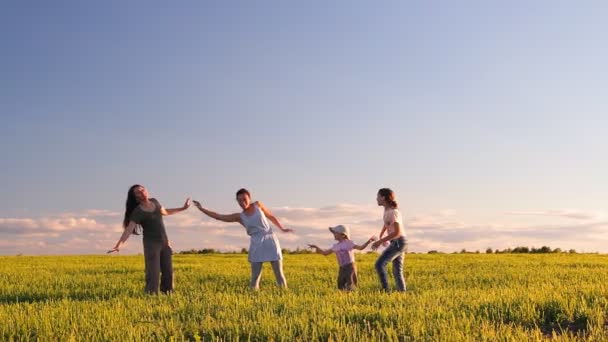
{"points": [[225, 218], [364, 246], [272, 218], [166, 212], [321, 251], [125, 235]]}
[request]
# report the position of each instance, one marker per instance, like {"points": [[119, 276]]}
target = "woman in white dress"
{"points": [[264, 245]]}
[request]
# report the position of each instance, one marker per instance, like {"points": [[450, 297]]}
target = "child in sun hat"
{"points": [[347, 275]]}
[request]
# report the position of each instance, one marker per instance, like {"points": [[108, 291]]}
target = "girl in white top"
{"points": [[395, 235], [264, 245]]}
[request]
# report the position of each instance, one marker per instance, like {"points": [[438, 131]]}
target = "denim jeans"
{"points": [[395, 252]]}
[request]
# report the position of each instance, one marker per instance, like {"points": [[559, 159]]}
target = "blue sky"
{"points": [[487, 119]]}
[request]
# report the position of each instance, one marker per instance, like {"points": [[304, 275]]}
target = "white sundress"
{"points": [[264, 245]]}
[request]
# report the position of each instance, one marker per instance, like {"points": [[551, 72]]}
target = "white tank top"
{"points": [[257, 223]]}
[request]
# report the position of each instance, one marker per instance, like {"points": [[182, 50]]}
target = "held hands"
{"points": [[375, 245]]}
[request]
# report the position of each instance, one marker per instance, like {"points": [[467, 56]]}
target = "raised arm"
{"points": [[321, 251], [125, 235], [272, 218], [166, 212], [225, 218]]}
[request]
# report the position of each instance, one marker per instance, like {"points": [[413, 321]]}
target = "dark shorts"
{"points": [[347, 277]]}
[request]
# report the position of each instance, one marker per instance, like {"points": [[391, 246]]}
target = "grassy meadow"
{"points": [[451, 297]]}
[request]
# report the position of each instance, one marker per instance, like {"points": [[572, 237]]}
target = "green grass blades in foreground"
{"points": [[451, 297]]}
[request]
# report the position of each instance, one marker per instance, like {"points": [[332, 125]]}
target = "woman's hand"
{"points": [[376, 244], [198, 205], [115, 249], [187, 204], [288, 230]]}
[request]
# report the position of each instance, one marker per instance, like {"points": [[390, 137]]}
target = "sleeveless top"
{"points": [[264, 245]]}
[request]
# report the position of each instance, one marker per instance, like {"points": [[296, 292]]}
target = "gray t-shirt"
{"points": [[151, 222]]}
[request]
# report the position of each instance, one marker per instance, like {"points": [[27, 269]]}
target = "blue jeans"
{"points": [[395, 252]]}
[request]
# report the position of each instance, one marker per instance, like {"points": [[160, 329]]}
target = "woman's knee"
{"points": [[380, 265]]}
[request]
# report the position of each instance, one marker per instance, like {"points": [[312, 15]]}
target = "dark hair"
{"points": [[243, 191], [389, 196], [130, 205]]}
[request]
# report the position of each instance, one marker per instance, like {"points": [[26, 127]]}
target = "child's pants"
{"points": [[347, 277]]}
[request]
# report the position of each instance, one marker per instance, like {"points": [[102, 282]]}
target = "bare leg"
{"points": [[256, 274], [277, 268]]}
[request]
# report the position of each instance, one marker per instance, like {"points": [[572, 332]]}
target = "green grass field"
{"points": [[454, 297]]}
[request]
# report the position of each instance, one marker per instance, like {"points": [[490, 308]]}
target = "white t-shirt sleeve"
{"points": [[389, 218], [397, 217]]}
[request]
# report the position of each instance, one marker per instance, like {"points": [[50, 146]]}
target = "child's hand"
{"points": [[313, 246]]}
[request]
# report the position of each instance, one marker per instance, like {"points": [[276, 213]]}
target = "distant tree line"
{"points": [[516, 250], [298, 250], [242, 251]]}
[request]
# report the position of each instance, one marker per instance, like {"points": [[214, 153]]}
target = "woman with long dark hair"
{"points": [[141, 210], [395, 236], [264, 245]]}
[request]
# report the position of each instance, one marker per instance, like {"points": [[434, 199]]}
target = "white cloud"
{"points": [[572, 214], [23, 223], [95, 231], [102, 213]]}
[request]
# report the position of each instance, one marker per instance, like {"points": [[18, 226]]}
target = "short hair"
{"points": [[243, 191]]}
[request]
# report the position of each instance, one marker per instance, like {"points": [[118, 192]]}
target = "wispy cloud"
{"points": [[572, 214], [52, 224], [94, 231]]}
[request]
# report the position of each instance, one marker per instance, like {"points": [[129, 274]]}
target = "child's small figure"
{"points": [[347, 276]]}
